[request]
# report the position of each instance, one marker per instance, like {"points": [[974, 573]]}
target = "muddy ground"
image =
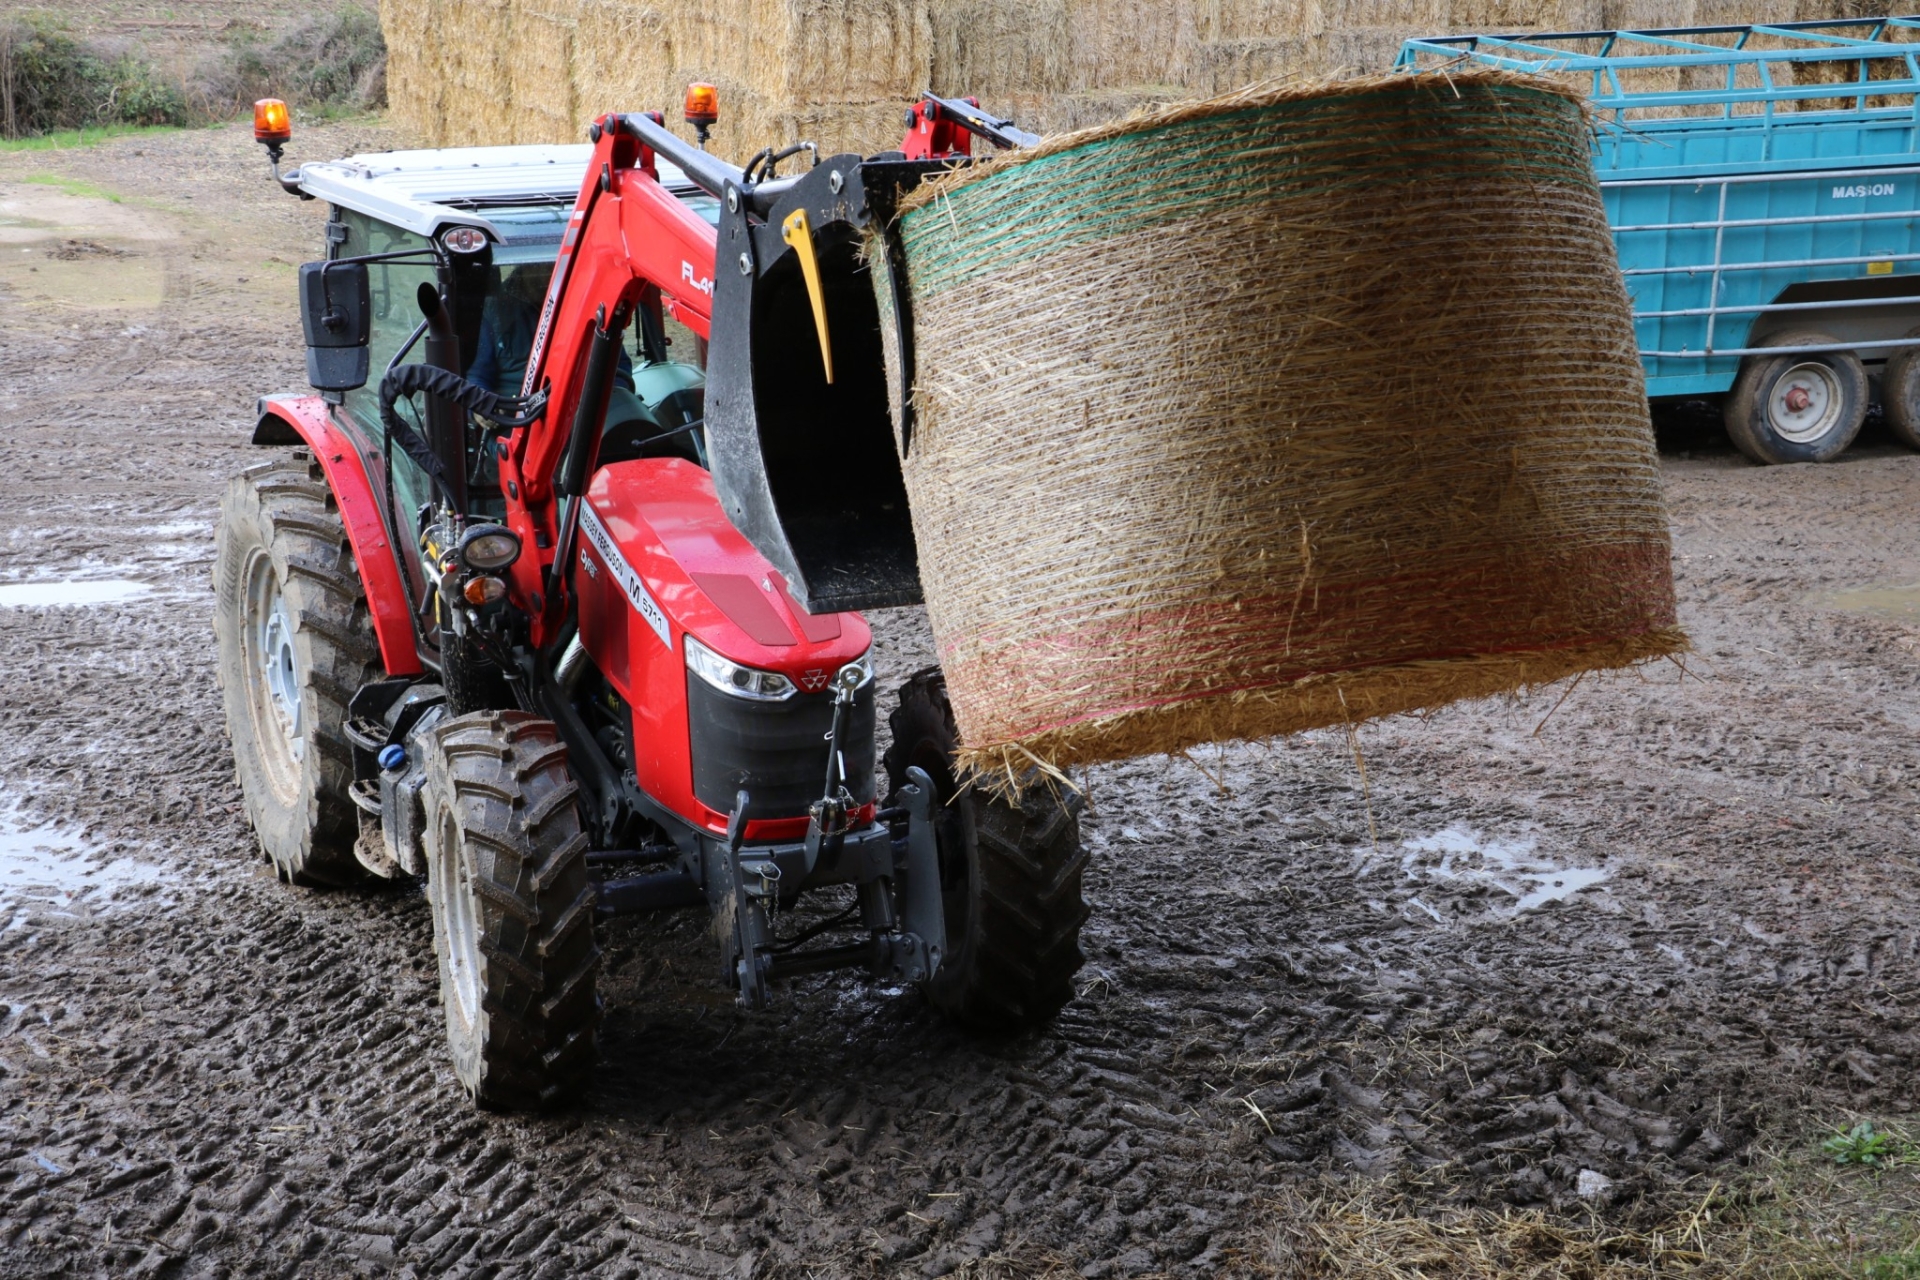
{"points": [[1631, 946]]}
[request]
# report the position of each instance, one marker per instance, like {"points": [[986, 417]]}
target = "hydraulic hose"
{"points": [[409, 379]]}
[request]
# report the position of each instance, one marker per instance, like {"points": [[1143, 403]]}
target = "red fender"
{"points": [[307, 420]]}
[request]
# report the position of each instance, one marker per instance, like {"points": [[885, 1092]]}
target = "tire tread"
{"points": [[284, 507], [1016, 968], [513, 800]]}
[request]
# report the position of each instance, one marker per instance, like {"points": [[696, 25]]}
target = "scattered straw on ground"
{"points": [[1794, 1221]]}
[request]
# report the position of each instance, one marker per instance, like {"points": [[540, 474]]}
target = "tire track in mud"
{"points": [[1289, 977]]}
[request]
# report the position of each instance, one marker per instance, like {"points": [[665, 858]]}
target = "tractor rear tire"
{"points": [[1010, 874], [293, 643], [1797, 408], [512, 910]]}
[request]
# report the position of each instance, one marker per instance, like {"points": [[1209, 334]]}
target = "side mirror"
{"points": [[336, 310]]}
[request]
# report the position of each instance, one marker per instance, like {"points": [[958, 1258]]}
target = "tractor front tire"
{"points": [[512, 910], [293, 644], [1010, 875]]}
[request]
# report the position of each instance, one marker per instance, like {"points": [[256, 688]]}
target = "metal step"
{"points": [[366, 794], [365, 733]]}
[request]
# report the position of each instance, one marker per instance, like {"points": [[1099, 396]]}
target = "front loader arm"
{"points": [[627, 233], [796, 302]]}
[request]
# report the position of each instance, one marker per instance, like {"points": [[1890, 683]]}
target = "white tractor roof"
{"points": [[425, 191]]}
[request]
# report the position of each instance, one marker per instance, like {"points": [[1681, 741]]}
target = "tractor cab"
{"points": [[504, 211]]}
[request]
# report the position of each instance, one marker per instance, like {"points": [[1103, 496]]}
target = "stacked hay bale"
{"points": [[538, 70], [1115, 56], [839, 71], [1323, 404]]}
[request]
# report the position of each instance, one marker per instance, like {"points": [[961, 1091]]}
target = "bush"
{"points": [[140, 95], [328, 61], [48, 81]]}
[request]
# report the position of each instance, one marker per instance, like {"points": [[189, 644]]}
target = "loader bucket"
{"points": [[806, 468]]}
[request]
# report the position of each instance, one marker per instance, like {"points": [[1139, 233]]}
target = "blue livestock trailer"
{"points": [[1763, 185]]}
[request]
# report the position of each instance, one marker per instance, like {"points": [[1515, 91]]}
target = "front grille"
{"points": [[776, 751]]}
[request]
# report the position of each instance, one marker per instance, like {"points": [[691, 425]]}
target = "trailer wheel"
{"points": [[1900, 393], [293, 641], [1010, 877], [1797, 408], [512, 909]]}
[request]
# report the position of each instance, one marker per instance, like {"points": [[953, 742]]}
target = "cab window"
{"points": [[393, 288]]}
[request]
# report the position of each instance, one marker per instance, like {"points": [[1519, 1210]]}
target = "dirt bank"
{"points": [[1626, 941]]}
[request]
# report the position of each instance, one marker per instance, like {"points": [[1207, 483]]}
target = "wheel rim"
{"points": [[457, 917], [1805, 402], [273, 664]]}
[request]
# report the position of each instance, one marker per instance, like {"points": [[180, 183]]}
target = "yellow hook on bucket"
{"points": [[798, 233]]}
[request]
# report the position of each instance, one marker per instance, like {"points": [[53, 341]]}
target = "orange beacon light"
{"points": [[702, 109], [272, 127]]}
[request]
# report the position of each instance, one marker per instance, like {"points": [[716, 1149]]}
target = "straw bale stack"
{"points": [[412, 75], [538, 70], [839, 71], [1336, 413], [1027, 48], [540, 75]]}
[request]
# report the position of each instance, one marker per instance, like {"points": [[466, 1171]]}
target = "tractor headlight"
{"points": [[489, 547], [856, 674], [731, 677]]}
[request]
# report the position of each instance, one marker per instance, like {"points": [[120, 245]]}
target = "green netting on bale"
{"points": [[1213, 163]]}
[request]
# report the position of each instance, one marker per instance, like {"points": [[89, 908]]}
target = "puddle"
{"points": [[53, 868], [1514, 867], [170, 557], [88, 591], [1900, 603]]}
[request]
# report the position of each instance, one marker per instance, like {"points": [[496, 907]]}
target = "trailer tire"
{"points": [[1900, 393], [1010, 873], [293, 642], [512, 909], [1797, 408]]}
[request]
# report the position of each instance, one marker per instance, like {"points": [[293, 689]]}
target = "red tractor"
{"points": [[489, 623]]}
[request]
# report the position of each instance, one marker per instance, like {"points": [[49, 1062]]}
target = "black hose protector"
{"points": [[407, 379]]}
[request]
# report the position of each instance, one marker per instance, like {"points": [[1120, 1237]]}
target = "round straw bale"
{"points": [[1278, 411]]}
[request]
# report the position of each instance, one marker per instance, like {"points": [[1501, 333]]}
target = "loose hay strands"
{"points": [[1792, 1222], [1359, 1237], [1323, 404]]}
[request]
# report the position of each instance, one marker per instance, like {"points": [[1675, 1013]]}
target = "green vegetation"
{"points": [[1894, 1266], [54, 85], [73, 186], [332, 62], [1796, 1212], [1863, 1145], [50, 81], [67, 139]]}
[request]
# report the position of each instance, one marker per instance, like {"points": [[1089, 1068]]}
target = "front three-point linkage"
{"points": [[897, 883]]}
